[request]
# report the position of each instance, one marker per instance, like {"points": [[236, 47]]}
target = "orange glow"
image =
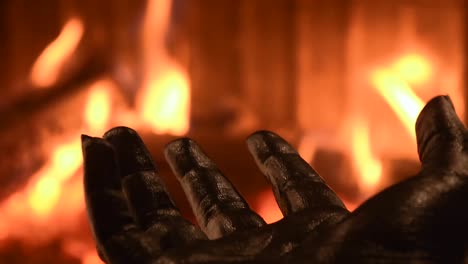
{"points": [[55, 192], [267, 207], [65, 161], [67, 158], [413, 68], [48, 65], [164, 99], [52, 192], [98, 107], [91, 257], [307, 148], [44, 196], [365, 164], [399, 96], [166, 104]]}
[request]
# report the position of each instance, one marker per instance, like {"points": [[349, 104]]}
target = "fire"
{"points": [[399, 95], [48, 65], [165, 105], [65, 161], [393, 84], [164, 99], [53, 192], [67, 158], [413, 68], [365, 163], [97, 111]]}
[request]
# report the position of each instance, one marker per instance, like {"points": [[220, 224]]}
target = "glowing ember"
{"points": [[413, 68], [48, 65], [400, 97], [365, 164], [165, 96]]}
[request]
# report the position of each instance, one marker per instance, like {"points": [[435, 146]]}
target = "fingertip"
{"points": [[185, 154], [177, 146], [439, 130], [118, 131], [131, 151], [437, 107], [85, 139], [94, 146], [262, 144]]}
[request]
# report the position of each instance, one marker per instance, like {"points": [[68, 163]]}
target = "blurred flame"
{"points": [[399, 96], [46, 69], [368, 167], [98, 107], [165, 106], [164, 99], [65, 161], [53, 192], [413, 68]]}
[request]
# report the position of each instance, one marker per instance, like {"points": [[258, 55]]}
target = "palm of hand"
{"points": [[134, 220]]}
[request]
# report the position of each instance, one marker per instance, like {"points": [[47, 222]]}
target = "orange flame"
{"points": [[44, 197], [48, 65], [367, 166], [164, 99], [399, 96], [65, 161], [98, 106], [67, 158], [166, 104], [413, 68]]}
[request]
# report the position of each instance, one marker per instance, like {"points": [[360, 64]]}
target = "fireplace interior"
{"points": [[343, 80]]}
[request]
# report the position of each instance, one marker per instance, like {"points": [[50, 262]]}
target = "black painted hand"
{"points": [[420, 220]]}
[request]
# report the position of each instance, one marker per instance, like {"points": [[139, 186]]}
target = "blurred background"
{"points": [[343, 80]]}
